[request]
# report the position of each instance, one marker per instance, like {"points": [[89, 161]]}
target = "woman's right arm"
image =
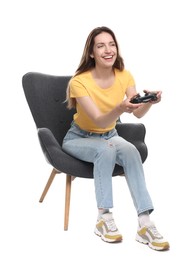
{"points": [[103, 120]]}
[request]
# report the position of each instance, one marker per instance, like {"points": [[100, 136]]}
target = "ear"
{"points": [[91, 55]]}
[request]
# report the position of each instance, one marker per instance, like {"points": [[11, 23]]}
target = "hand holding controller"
{"points": [[149, 96]]}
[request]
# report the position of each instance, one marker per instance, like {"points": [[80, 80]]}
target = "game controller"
{"points": [[144, 99]]}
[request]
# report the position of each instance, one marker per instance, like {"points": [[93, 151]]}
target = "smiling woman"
{"points": [[97, 91], [39, 36]]}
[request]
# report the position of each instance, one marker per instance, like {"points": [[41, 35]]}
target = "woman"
{"points": [[100, 91]]}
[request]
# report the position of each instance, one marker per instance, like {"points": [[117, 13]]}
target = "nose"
{"points": [[107, 48]]}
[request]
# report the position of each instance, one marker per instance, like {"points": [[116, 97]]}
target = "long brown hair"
{"points": [[87, 63]]}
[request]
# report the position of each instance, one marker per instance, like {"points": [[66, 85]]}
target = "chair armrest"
{"points": [[59, 159], [134, 133], [50, 146]]}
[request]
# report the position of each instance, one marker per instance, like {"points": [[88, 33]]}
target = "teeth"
{"points": [[108, 57]]}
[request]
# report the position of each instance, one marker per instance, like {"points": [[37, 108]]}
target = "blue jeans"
{"points": [[104, 151]]}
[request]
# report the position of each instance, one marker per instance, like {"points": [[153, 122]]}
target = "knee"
{"points": [[134, 153], [130, 150]]}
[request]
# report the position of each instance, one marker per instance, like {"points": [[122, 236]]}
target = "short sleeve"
{"points": [[131, 81], [77, 89]]}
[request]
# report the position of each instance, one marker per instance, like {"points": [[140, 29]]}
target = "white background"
{"points": [[49, 36]]}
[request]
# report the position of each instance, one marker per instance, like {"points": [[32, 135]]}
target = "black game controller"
{"points": [[144, 99]]}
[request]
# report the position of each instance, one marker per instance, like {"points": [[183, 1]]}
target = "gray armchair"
{"points": [[45, 95]]}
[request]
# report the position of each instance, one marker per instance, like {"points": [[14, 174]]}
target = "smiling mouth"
{"points": [[108, 57]]}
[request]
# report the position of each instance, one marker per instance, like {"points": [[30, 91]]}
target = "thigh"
{"points": [[125, 150], [84, 148], [120, 143]]}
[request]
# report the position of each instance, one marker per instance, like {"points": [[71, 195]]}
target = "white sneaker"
{"points": [[107, 230], [149, 235]]}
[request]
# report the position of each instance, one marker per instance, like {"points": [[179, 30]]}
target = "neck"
{"points": [[102, 73]]}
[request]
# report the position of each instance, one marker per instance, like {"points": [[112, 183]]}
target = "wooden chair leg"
{"points": [[48, 184], [67, 200]]}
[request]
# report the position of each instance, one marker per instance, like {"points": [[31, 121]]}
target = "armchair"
{"points": [[45, 95]]}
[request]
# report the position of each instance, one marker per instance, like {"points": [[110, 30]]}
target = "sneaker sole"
{"points": [[158, 248], [118, 239]]}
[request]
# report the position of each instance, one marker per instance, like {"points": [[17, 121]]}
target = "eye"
{"points": [[100, 45], [113, 44]]}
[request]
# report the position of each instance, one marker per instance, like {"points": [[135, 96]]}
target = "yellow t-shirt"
{"points": [[105, 99]]}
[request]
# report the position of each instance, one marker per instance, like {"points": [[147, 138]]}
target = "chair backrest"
{"points": [[45, 95]]}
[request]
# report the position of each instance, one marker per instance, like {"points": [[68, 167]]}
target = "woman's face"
{"points": [[104, 50]]}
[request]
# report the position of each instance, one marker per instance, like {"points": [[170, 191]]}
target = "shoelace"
{"points": [[155, 232], [111, 224]]}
